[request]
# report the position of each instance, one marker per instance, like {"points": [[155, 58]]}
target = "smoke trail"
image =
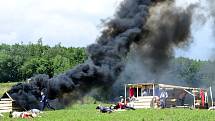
{"points": [[211, 4], [152, 33], [167, 27]]}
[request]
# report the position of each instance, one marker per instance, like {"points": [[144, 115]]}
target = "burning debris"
{"points": [[151, 28]]}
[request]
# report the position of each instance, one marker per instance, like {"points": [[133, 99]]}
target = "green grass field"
{"points": [[87, 112], [5, 86]]}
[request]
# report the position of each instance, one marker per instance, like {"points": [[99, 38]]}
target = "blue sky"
{"points": [[203, 43], [76, 23]]}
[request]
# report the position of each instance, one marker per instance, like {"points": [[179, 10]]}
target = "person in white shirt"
{"points": [[163, 97], [144, 93]]}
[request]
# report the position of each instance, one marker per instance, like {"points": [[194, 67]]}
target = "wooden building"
{"points": [[7, 104], [146, 95]]}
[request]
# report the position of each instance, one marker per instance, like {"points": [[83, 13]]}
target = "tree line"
{"points": [[19, 62], [195, 73]]}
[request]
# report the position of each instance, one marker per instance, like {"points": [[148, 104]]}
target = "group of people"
{"points": [[33, 112], [121, 105], [163, 96], [161, 93]]}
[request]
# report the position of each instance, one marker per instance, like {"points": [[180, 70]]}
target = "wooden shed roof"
{"points": [[6, 95]]}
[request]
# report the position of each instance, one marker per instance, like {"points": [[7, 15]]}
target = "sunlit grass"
{"points": [[87, 112], [5, 87]]}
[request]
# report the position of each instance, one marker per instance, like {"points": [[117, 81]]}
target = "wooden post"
{"points": [[125, 95]]}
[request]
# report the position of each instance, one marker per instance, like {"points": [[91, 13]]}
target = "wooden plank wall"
{"points": [[143, 102], [6, 105]]}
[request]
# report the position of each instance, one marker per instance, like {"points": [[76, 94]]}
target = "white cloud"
{"points": [[71, 22], [203, 43]]}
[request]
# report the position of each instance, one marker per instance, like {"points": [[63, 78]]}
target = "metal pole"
{"points": [[125, 94], [154, 100], [194, 100], [212, 102], [137, 92], [153, 90]]}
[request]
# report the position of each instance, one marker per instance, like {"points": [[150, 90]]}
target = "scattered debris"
{"points": [[36, 111], [212, 108]]}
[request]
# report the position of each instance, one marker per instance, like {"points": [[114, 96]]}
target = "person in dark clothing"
{"points": [[104, 109], [45, 102], [182, 98]]}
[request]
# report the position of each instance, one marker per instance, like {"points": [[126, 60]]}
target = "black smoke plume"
{"points": [[167, 28], [134, 26]]}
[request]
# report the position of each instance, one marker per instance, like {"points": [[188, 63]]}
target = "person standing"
{"points": [[45, 102], [202, 96], [163, 97], [144, 93]]}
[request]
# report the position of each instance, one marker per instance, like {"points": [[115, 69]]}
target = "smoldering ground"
{"points": [[147, 29]]}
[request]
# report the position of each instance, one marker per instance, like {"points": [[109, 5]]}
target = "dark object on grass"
{"points": [[122, 107], [104, 109]]}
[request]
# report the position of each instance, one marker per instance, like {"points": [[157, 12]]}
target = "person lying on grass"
{"points": [[112, 108], [103, 109], [26, 114]]}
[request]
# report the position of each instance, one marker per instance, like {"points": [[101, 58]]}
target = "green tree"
{"points": [[37, 66], [20, 61], [9, 68], [60, 64]]}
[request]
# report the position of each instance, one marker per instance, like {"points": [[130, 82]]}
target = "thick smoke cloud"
{"points": [[167, 27], [211, 8], [149, 28]]}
